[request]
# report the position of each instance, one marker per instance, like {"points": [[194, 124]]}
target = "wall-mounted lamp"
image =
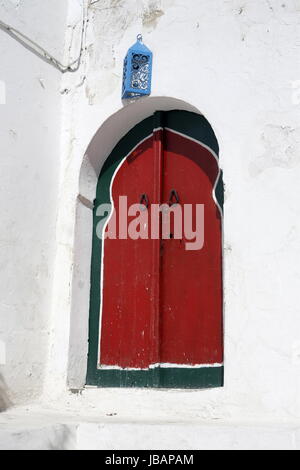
{"points": [[137, 72]]}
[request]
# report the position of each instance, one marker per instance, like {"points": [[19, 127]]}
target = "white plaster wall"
{"points": [[30, 125], [237, 62]]}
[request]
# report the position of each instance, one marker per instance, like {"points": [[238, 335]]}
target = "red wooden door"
{"points": [[161, 296], [191, 280], [131, 271]]}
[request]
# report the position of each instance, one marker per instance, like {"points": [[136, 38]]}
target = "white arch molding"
{"points": [[100, 147]]}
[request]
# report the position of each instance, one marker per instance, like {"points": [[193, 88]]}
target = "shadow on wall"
{"points": [[5, 402]]}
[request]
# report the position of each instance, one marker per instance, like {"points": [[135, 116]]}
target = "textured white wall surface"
{"points": [[235, 61], [30, 159]]}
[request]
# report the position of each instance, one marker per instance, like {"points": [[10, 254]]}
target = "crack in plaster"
{"points": [[281, 144]]}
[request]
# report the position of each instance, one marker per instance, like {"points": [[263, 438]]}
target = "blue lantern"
{"points": [[137, 72]]}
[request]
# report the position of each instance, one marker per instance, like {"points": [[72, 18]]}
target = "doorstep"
{"points": [[38, 428]]}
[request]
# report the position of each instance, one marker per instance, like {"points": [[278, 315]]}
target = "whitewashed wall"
{"points": [[30, 128], [237, 62]]}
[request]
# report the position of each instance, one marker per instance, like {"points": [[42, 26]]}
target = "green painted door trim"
{"points": [[194, 126], [184, 378]]}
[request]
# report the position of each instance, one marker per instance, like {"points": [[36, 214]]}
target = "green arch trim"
{"points": [[198, 128]]}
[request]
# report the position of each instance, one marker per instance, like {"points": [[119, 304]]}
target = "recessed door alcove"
{"points": [[156, 308]]}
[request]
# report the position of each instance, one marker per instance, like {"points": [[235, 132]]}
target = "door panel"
{"points": [[192, 279], [131, 272]]}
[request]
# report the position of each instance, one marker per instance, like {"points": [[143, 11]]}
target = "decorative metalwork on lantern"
{"points": [[137, 72]]}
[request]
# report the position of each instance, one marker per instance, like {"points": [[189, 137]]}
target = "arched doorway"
{"points": [[156, 300]]}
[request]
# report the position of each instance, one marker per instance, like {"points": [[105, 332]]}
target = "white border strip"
{"points": [[164, 366]]}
